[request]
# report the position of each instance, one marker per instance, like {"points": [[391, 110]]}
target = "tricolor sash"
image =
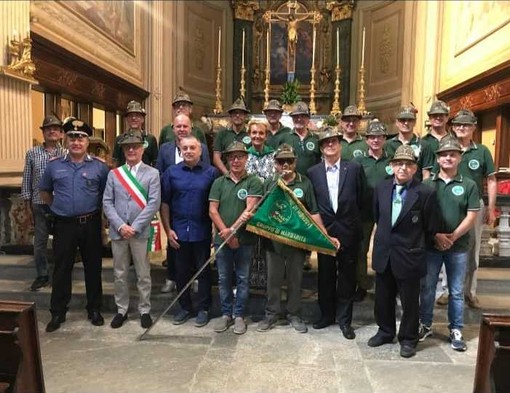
{"points": [[132, 185]]}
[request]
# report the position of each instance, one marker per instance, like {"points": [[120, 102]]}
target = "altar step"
{"points": [[17, 274]]}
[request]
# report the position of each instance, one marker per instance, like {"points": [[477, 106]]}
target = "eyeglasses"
{"points": [[350, 120], [238, 157], [283, 161]]}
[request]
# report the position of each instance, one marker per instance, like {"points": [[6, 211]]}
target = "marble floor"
{"points": [[81, 358]]}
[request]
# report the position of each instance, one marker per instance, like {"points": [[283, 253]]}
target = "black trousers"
{"points": [[188, 259], [337, 285], [387, 286], [170, 263], [68, 236]]}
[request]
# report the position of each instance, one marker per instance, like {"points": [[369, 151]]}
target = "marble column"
{"points": [[15, 125]]}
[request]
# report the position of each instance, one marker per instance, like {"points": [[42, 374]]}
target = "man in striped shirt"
{"points": [[35, 163]]}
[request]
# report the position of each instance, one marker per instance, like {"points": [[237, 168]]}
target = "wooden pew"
{"points": [[20, 361], [492, 374]]}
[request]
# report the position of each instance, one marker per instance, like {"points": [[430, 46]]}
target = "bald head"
{"points": [[182, 126]]}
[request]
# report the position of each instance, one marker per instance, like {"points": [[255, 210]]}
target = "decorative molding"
{"points": [[385, 50], [52, 20], [492, 93], [340, 10], [245, 9]]}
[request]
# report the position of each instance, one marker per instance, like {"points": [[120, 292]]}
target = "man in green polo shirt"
{"points": [[459, 205], [238, 114], [181, 105], [273, 112], [376, 165], [405, 122], [438, 117], [135, 119], [476, 164], [231, 198], [302, 141], [353, 144]]}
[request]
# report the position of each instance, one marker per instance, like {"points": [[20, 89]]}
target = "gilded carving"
{"points": [[385, 50], [340, 10], [99, 89], [245, 9], [20, 64], [492, 93]]}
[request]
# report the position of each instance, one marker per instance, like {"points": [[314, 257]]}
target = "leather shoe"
{"points": [[407, 351], [96, 318], [55, 322], [118, 320], [378, 340], [323, 323], [145, 320], [348, 332]]}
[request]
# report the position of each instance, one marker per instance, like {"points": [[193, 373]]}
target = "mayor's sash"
{"points": [[131, 185]]}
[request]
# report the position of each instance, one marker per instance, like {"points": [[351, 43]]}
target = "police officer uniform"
{"points": [[150, 154], [77, 189]]}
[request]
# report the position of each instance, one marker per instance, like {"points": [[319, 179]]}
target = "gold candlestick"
{"points": [[218, 108], [336, 109], [313, 110], [268, 67], [361, 90], [242, 90]]}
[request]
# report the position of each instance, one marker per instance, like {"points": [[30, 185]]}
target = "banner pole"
{"points": [[211, 258]]}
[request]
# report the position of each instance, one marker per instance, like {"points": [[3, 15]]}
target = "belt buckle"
{"points": [[82, 220]]}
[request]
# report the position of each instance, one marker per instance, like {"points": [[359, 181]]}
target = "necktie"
{"points": [[396, 204]]}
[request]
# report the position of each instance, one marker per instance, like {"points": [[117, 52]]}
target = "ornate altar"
{"points": [[287, 40]]}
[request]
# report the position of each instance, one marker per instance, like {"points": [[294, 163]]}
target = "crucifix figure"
{"points": [[292, 18]]}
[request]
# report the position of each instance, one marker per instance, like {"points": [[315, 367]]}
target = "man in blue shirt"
{"points": [[72, 186], [185, 218]]}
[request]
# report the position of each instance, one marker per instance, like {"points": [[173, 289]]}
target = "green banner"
{"points": [[283, 218]]}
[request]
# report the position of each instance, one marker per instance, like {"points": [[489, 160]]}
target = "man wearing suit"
{"points": [[405, 212], [338, 187], [131, 199], [170, 154]]}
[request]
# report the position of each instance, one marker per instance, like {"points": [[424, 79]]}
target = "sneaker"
{"points": [[145, 320], [168, 286], [297, 323], [39, 282], [457, 341], [223, 323], [473, 302], [424, 332], [239, 325], [181, 317], [118, 320], [267, 323], [443, 299], [202, 318]]}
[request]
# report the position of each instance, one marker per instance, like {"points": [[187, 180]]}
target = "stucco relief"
{"points": [[385, 50], [59, 24]]}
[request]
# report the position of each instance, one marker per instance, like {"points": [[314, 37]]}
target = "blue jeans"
{"points": [[229, 260], [455, 264], [40, 239]]}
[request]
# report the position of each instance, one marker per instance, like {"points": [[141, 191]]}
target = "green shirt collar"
{"points": [[265, 151]]}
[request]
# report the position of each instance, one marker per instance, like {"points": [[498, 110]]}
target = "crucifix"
{"points": [[292, 18]]}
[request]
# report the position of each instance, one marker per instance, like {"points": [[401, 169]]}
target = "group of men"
{"points": [[423, 207]]}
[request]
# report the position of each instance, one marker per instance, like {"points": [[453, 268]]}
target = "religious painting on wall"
{"points": [[113, 18], [291, 45]]}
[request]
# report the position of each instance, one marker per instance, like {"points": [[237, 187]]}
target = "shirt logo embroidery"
{"points": [[310, 145], [474, 164], [389, 170], [458, 190], [246, 140], [145, 144], [242, 194], [357, 153], [298, 192]]}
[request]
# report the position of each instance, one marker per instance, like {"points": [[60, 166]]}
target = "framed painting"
{"points": [[113, 18]]}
